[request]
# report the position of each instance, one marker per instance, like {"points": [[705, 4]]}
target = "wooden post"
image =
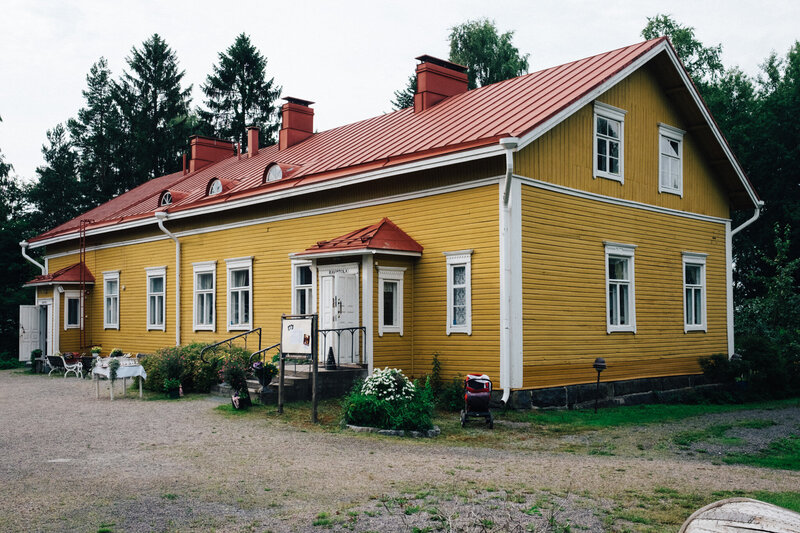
{"points": [[314, 367], [280, 381]]}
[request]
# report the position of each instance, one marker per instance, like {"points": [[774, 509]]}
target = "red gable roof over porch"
{"points": [[67, 275], [384, 236]]}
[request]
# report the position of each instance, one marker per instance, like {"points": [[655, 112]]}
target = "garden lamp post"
{"points": [[599, 365]]}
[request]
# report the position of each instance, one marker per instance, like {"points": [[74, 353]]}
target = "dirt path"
{"points": [[71, 462]]}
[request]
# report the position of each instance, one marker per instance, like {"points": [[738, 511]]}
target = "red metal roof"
{"points": [[383, 236], [69, 274], [476, 118]]}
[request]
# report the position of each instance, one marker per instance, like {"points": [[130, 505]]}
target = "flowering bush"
{"points": [[388, 384], [184, 363], [388, 400]]}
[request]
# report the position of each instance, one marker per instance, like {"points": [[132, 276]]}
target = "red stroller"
{"points": [[477, 393]]}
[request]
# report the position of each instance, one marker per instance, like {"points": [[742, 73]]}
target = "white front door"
{"points": [[28, 331], [338, 306]]}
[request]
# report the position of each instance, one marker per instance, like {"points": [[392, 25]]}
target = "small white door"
{"points": [[28, 331], [338, 306]]}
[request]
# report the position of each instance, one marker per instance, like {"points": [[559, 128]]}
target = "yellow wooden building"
{"points": [[520, 230]]}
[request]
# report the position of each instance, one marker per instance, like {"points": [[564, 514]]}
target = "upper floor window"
{"points": [[694, 292], [620, 293], [111, 299], [302, 288], [214, 187], [273, 172], [670, 159], [390, 300], [459, 292], [205, 284], [609, 129], [156, 301], [240, 276], [166, 198]]}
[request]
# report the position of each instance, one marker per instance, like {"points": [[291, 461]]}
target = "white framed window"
{"points": [[670, 159], [214, 187], [156, 297], [694, 292], [459, 292], [205, 287], [73, 311], [609, 142], [390, 300], [620, 288], [303, 288], [240, 293], [111, 299]]}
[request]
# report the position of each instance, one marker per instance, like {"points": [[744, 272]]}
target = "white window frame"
{"points": [[232, 265], [73, 295], [616, 114], [296, 286], [695, 259], [204, 267], [625, 251], [455, 259], [674, 134], [111, 275], [391, 275], [156, 272]]}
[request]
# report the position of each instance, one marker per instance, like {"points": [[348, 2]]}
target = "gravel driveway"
{"points": [[74, 463]]}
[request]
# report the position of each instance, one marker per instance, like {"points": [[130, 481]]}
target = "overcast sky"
{"points": [[347, 56]]}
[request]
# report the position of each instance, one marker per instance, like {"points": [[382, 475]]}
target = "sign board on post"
{"points": [[296, 335], [299, 337]]}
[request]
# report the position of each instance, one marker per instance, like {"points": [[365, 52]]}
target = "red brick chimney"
{"points": [[208, 150], [252, 140], [436, 80], [297, 122]]}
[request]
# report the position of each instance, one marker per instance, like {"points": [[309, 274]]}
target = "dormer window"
{"points": [[273, 172], [214, 187], [166, 199]]}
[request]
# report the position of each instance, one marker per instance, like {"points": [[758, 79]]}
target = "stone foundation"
{"points": [[671, 389]]}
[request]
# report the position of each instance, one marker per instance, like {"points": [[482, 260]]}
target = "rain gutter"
{"points": [[161, 216]]}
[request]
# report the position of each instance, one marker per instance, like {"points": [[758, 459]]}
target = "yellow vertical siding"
{"points": [[393, 349], [446, 222], [564, 154], [564, 290]]}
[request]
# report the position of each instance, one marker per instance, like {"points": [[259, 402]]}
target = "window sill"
{"points": [[676, 192], [105, 326], [612, 177], [689, 329], [240, 327], [620, 329], [204, 328], [72, 327], [390, 329], [156, 328]]}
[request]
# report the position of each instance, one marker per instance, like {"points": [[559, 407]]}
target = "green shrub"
{"points": [[184, 363], [720, 369], [390, 401], [9, 360], [451, 398]]}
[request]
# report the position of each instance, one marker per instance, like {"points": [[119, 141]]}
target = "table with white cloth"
{"points": [[123, 372]]}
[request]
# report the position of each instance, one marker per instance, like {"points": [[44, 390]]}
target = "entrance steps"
{"points": [[297, 384]]}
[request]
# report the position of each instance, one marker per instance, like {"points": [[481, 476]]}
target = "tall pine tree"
{"points": [[155, 111], [57, 196], [238, 94], [97, 135]]}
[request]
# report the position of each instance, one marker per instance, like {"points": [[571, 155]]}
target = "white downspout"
{"points": [[510, 144], [750, 220], [24, 245], [729, 270], [161, 216]]}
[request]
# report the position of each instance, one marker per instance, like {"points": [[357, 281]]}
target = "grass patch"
{"points": [[781, 454], [717, 433], [582, 420], [788, 500]]}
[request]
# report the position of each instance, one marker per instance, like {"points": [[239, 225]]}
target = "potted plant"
{"points": [[37, 363], [113, 366], [264, 372], [96, 350], [172, 387], [116, 352], [234, 372]]}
